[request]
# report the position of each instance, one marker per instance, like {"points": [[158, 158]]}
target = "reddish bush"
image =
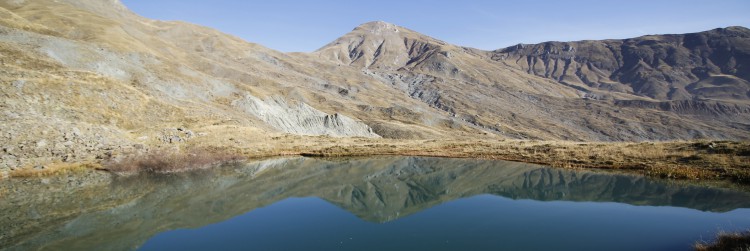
{"points": [[169, 162]]}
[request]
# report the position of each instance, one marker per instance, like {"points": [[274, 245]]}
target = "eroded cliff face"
{"points": [[46, 213], [302, 119]]}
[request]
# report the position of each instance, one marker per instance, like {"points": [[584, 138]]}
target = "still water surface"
{"points": [[385, 203]]}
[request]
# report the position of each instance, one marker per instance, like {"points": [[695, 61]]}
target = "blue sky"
{"points": [[288, 25]]}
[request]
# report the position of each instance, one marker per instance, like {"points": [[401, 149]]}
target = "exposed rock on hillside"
{"points": [[301, 118]]}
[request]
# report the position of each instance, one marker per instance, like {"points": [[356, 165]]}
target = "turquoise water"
{"points": [[386, 203]]}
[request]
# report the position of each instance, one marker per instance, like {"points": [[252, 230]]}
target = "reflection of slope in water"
{"points": [[131, 210], [260, 167]]}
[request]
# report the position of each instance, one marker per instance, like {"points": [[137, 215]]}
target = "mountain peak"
{"points": [[381, 45], [378, 27]]}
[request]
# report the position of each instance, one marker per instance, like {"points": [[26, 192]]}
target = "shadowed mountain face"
{"points": [[82, 76], [83, 212], [707, 65]]}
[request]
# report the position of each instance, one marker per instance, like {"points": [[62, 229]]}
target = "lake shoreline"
{"points": [[695, 160], [683, 160]]}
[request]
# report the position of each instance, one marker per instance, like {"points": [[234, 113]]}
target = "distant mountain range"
{"points": [[85, 75]]}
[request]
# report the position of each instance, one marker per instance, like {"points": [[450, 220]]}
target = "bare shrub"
{"points": [[170, 162]]}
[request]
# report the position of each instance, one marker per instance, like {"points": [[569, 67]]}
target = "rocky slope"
{"points": [[88, 79]]}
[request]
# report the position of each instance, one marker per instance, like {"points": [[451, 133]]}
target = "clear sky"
{"points": [[289, 25]]}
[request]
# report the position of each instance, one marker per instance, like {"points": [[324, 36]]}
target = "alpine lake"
{"points": [[376, 203]]}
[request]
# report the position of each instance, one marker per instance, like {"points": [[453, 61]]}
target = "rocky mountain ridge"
{"points": [[705, 65]]}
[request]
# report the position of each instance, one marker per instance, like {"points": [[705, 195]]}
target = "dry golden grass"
{"points": [[53, 169], [698, 160], [727, 241]]}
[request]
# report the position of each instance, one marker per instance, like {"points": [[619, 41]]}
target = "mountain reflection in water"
{"points": [[98, 212]]}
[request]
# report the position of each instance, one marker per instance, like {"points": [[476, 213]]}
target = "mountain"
{"points": [[543, 91], [87, 79]]}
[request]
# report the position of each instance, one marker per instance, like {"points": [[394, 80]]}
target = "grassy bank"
{"points": [[53, 169], [673, 160], [727, 241], [697, 160]]}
